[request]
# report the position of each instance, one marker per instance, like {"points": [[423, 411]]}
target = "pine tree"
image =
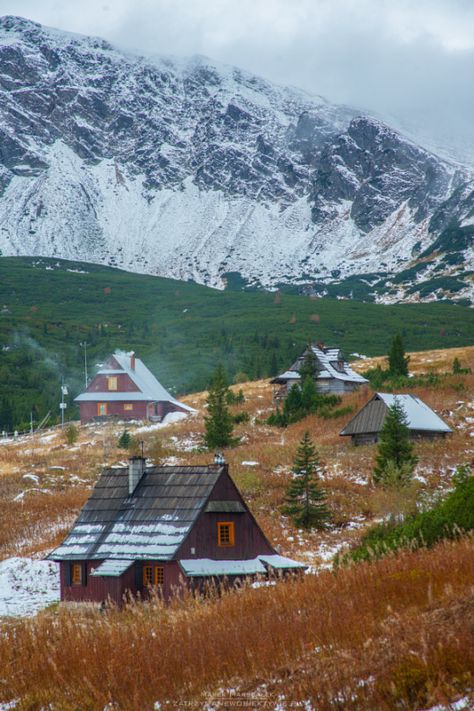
{"points": [[397, 360], [310, 366], [219, 421], [124, 440], [305, 500], [395, 448]]}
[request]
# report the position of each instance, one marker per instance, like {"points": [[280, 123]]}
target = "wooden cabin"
{"points": [[334, 375], [166, 529], [125, 389], [422, 421]]}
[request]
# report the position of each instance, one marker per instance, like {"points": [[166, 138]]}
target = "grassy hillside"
{"points": [[182, 330]]}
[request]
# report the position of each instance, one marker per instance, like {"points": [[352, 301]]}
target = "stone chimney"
{"points": [[136, 468], [132, 360]]}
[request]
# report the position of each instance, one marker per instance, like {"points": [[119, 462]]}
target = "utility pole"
{"points": [[84, 345], [63, 405]]}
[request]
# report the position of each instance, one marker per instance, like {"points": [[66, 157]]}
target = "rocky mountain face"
{"points": [[193, 170]]}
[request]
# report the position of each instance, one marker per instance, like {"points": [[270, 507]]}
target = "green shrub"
{"points": [[71, 433], [449, 518], [241, 417]]}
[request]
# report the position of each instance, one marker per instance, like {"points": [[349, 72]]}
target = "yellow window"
{"points": [[147, 575], [225, 533], [76, 576], [159, 575], [128, 406], [112, 382], [101, 408]]}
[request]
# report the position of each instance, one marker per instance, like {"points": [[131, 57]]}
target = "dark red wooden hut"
{"points": [[124, 388], [164, 528]]}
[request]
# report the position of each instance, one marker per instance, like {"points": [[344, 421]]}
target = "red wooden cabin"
{"points": [[163, 528], [124, 388]]}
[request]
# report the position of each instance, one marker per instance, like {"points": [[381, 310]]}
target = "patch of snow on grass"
{"points": [[27, 585], [250, 464], [168, 420]]}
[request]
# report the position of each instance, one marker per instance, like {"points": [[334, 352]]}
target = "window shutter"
{"points": [[67, 572], [138, 575]]}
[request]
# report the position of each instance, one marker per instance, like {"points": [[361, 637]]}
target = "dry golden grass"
{"points": [[398, 633]]}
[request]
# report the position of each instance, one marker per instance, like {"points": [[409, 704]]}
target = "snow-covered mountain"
{"points": [[195, 170]]}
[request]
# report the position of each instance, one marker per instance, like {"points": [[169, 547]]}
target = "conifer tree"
{"points": [[397, 360], [395, 450], [219, 421], [309, 367], [125, 440], [305, 500]]}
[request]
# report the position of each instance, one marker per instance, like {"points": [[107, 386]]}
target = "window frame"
{"points": [[112, 383], [76, 574], [159, 576], [128, 406], [221, 525], [147, 578]]}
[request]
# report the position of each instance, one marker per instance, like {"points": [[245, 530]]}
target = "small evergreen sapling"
{"points": [[397, 360], [125, 440], [395, 460], [305, 500], [218, 422]]}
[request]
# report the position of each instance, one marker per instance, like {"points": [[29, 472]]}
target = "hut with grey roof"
{"points": [[334, 374], [422, 421], [124, 388], [162, 528]]}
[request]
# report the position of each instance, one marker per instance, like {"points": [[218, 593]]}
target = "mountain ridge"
{"points": [[191, 169]]}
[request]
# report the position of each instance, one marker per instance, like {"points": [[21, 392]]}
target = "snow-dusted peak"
{"points": [[194, 169]]}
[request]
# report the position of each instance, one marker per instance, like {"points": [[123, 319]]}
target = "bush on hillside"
{"points": [[450, 518], [304, 400]]}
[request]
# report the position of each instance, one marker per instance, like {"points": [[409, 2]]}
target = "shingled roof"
{"points": [[331, 365], [151, 523]]}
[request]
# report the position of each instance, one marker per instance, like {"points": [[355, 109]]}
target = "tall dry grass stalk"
{"points": [[398, 633]]}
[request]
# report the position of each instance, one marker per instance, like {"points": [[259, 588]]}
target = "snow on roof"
{"points": [[150, 389], [112, 568], [280, 561], [327, 358], [151, 524], [205, 566], [418, 414], [330, 365]]}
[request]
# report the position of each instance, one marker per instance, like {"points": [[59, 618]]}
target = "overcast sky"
{"points": [[408, 59]]}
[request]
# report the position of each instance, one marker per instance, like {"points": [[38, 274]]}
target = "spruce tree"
{"points": [[219, 421], [125, 440], [395, 449], [397, 360], [305, 500], [309, 367]]}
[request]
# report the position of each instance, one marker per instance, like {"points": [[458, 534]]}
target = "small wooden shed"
{"points": [[422, 421], [162, 528]]}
